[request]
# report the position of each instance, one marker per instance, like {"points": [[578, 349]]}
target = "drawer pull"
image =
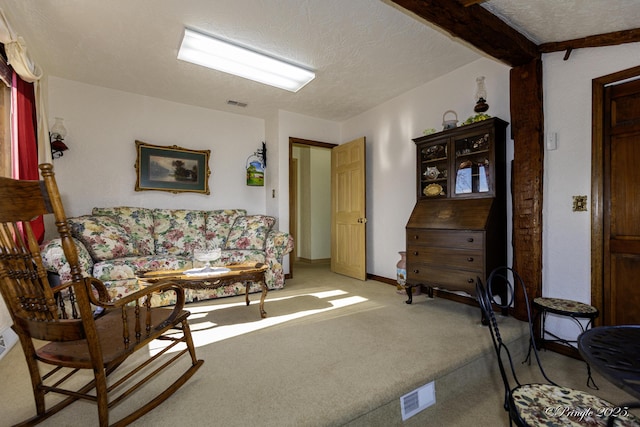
{"points": [[415, 253], [469, 280], [416, 271], [469, 239], [470, 259], [416, 237]]}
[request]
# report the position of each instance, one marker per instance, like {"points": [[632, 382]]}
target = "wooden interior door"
{"points": [[348, 210], [621, 140], [293, 206]]}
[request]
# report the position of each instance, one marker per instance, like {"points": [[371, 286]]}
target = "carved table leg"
{"points": [[263, 313]]}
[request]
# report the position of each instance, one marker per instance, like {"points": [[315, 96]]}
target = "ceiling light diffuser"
{"points": [[227, 57]]}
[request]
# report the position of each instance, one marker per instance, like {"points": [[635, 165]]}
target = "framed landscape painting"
{"points": [[171, 168]]}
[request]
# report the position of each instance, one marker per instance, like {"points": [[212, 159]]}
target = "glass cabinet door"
{"points": [[434, 169], [473, 166]]}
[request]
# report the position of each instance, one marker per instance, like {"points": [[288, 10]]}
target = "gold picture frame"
{"points": [[171, 168]]}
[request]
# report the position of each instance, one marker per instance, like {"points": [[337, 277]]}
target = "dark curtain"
{"points": [[26, 157]]}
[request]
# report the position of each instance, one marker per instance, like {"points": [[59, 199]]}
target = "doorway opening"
{"points": [[310, 201]]}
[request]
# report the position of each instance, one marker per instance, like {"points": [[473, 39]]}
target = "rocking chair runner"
{"points": [[79, 338], [543, 404]]}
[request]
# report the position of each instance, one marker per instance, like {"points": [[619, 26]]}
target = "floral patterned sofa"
{"points": [[115, 243]]}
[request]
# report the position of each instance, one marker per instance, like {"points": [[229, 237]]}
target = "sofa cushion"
{"points": [[128, 267], [249, 232], [241, 256], [219, 224], [103, 237], [178, 232], [138, 222]]}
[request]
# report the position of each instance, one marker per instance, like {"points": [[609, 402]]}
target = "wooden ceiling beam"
{"points": [[467, 3], [477, 26], [600, 40]]}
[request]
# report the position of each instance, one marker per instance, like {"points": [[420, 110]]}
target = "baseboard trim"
{"points": [[562, 349], [314, 261], [381, 279]]}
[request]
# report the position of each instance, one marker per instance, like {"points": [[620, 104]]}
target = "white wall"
{"points": [[391, 154], [320, 203], [103, 124], [313, 234], [567, 103]]}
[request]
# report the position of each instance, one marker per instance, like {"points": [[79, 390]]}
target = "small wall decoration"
{"points": [[171, 168], [255, 167], [255, 173]]}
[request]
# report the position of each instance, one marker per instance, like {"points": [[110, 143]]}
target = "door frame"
{"points": [[293, 183], [597, 184]]}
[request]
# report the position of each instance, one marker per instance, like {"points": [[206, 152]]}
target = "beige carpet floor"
{"points": [[333, 351]]}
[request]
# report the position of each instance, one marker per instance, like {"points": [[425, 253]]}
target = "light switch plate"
{"points": [[552, 141]]}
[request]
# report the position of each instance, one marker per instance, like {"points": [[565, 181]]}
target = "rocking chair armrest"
{"points": [[60, 287], [164, 286], [103, 293]]}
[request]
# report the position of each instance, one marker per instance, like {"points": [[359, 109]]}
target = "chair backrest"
{"points": [[39, 310], [500, 279]]}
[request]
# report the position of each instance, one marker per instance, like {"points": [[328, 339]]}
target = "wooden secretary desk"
{"points": [[457, 230]]}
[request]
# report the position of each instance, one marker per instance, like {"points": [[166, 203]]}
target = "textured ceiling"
{"points": [[545, 21], [364, 52]]}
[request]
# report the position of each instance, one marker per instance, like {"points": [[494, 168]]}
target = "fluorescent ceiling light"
{"points": [[220, 55]]}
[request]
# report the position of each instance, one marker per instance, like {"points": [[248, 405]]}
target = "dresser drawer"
{"points": [[446, 238], [440, 257], [448, 279]]}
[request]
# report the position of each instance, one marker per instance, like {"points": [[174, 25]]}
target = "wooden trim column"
{"points": [[527, 126]]}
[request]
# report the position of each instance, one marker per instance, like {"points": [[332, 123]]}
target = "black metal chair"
{"points": [[541, 404]]}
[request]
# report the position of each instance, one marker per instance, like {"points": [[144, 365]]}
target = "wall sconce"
{"points": [[256, 163], [56, 137]]}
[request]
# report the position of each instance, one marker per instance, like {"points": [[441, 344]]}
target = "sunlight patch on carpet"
{"points": [[207, 331]]}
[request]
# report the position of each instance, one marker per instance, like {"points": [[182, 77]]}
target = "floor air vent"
{"points": [[418, 400]]}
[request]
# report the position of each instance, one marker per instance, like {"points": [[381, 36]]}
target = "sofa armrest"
{"points": [[54, 260], [277, 245]]}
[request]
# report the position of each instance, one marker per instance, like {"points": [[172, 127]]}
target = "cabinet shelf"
{"points": [[473, 153], [439, 159]]}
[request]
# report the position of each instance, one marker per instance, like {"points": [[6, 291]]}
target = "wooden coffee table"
{"points": [[246, 273]]}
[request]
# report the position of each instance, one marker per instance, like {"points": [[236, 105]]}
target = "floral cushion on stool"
{"points": [[560, 305]]}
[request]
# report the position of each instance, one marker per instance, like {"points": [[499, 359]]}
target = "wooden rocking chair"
{"points": [[84, 331]]}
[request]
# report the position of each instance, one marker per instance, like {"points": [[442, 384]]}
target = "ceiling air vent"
{"points": [[237, 103]]}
